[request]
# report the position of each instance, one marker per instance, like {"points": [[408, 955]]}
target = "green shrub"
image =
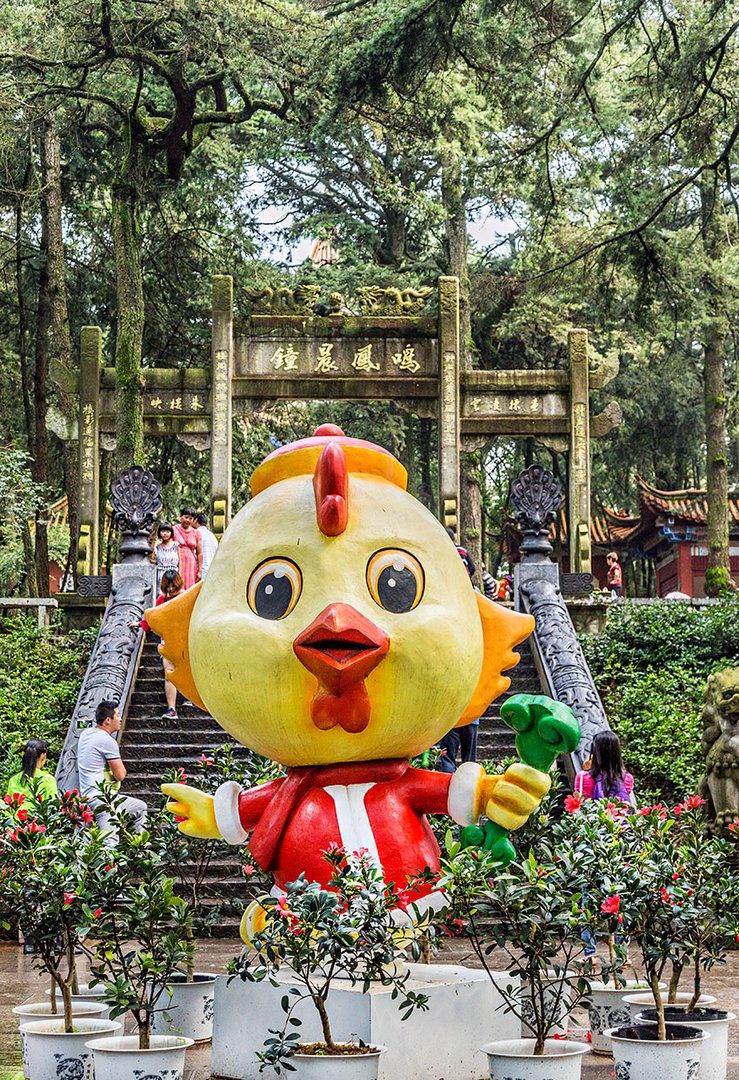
{"points": [[40, 676], [650, 665]]}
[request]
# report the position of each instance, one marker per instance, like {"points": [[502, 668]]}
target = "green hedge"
{"points": [[40, 676], [650, 665]]}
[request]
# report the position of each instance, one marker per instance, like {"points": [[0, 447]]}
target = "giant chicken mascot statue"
{"points": [[337, 633]]}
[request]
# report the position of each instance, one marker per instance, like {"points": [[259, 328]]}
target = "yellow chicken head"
{"points": [[337, 622]]}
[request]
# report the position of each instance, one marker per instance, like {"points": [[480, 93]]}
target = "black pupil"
{"points": [[273, 595], [397, 589]]}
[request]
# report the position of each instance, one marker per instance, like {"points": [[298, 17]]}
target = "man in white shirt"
{"points": [[99, 763], [208, 540]]}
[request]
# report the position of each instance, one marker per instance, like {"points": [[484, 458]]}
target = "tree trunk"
{"points": [[426, 492], [62, 366], [454, 199], [40, 463], [29, 557], [129, 419], [718, 574], [471, 511]]}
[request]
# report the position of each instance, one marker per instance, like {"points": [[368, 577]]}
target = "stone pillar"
{"points": [[579, 478], [91, 352], [222, 372], [449, 426]]}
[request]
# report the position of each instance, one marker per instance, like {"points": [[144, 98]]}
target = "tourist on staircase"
{"points": [[208, 539], [167, 551], [191, 549], [100, 766], [171, 586]]}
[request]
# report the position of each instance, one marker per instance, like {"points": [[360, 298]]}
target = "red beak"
{"points": [[340, 647]]}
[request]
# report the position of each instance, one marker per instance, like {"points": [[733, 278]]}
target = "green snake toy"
{"points": [[544, 729]]}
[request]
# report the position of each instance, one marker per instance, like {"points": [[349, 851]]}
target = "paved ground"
{"points": [[19, 983]]}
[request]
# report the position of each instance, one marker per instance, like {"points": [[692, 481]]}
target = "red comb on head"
{"points": [[331, 488]]}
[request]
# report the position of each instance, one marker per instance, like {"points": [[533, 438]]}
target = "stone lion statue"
{"points": [[720, 782]]}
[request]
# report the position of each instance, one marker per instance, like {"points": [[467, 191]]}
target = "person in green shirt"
{"points": [[33, 779]]}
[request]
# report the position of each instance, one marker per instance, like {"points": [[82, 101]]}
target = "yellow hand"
{"points": [[196, 808], [513, 797]]}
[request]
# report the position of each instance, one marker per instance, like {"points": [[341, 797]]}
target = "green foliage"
{"points": [[40, 676], [650, 665]]}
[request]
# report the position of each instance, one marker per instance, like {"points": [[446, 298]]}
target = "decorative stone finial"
{"points": [[135, 496], [537, 496]]}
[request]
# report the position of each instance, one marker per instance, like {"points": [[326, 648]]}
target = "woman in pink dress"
{"points": [[191, 548]]}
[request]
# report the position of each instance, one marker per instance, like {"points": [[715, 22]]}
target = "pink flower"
{"points": [[734, 826], [88, 816], [249, 869], [611, 905], [573, 803], [693, 802]]}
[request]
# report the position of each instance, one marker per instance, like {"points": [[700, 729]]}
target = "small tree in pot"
{"points": [[350, 931], [45, 886], [532, 911], [141, 926]]}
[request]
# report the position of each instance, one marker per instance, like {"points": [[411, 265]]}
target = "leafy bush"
{"points": [[40, 676], [650, 665]]}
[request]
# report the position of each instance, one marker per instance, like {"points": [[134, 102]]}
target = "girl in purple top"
{"points": [[604, 775]]}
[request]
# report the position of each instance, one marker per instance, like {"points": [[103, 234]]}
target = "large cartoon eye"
{"points": [[274, 588], [395, 580]]}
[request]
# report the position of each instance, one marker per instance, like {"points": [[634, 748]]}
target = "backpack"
{"points": [[618, 791]]}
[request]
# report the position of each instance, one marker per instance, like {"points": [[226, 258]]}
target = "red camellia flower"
{"points": [[97, 913], [664, 895], [88, 816], [611, 905], [22, 815], [573, 803], [249, 870], [69, 898], [693, 802]]}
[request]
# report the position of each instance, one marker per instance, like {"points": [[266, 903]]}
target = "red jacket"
{"points": [[379, 806]]}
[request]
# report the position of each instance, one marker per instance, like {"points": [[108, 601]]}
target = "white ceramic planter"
{"points": [[85, 993], [119, 1058], [54, 1054], [189, 1009], [41, 1010], [337, 1066], [557, 1003], [607, 1010], [715, 1052], [648, 1059], [638, 1002], [514, 1059]]}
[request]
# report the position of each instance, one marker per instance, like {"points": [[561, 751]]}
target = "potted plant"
{"points": [[188, 1002], [532, 911], [635, 901], [141, 938], [46, 889], [598, 826], [313, 936], [703, 896]]}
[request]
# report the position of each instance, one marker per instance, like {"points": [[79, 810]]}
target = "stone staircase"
{"points": [[152, 744], [495, 739]]}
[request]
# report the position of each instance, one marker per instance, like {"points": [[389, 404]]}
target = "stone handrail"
{"points": [[111, 671], [561, 664]]}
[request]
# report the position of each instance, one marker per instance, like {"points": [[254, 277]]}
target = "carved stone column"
{"points": [[579, 472], [449, 424], [89, 450], [135, 497], [222, 374]]}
